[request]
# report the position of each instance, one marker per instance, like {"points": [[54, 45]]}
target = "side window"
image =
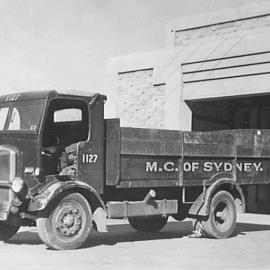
{"points": [[15, 120], [67, 120], [67, 115]]}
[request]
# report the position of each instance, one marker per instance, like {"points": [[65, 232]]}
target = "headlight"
{"points": [[17, 184]]}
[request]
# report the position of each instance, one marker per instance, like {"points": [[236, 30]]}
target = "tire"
{"points": [[221, 222], [68, 225], [7, 231], [148, 224]]}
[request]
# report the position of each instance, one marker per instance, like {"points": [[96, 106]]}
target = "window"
{"points": [[67, 115], [24, 116], [15, 120], [3, 117]]}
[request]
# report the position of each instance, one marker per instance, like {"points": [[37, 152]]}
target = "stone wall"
{"points": [[139, 102]]}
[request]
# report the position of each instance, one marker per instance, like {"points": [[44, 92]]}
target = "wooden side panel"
{"points": [[152, 158], [253, 153], [241, 154], [212, 144], [138, 141], [252, 143], [151, 168]]}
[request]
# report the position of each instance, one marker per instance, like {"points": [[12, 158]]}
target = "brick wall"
{"points": [[139, 102], [185, 36]]}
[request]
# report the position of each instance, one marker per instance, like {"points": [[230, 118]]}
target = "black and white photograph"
{"points": [[134, 134]]}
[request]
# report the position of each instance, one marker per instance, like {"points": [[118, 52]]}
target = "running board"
{"points": [[141, 208]]}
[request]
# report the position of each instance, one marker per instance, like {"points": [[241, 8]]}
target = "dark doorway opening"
{"points": [[252, 112]]}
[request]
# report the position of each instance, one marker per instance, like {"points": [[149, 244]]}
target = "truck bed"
{"points": [[137, 157]]}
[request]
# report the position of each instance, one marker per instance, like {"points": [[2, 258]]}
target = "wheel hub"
{"points": [[222, 215], [69, 221]]}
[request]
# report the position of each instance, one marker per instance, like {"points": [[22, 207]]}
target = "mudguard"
{"points": [[53, 188], [201, 206]]}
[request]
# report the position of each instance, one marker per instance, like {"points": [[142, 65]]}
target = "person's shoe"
{"points": [[197, 234]]}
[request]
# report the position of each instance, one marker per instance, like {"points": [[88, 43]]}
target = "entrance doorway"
{"points": [[252, 112]]}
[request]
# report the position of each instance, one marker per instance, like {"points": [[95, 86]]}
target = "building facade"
{"points": [[214, 74]]}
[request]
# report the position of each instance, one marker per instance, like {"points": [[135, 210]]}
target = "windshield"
{"points": [[21, 116]]}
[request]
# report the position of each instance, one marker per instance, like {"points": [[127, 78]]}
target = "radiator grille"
{"points": [[7, 173]]}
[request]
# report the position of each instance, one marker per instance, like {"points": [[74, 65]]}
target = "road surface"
{"points": [[124, 248]]}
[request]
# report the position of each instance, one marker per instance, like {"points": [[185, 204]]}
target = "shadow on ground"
{"points": [[249, 227], [125, 233]]}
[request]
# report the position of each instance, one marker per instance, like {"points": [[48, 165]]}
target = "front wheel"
{"points": [[68, 225], [7, 231], [148, 224], [221, 222]]}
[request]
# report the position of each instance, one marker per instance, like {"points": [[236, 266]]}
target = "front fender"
{"points": [[49, 192]]}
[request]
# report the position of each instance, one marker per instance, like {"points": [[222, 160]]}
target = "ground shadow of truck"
{"points": [[125, 233]]}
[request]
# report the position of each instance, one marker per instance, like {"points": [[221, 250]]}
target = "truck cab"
{"points": [[47, 137]]}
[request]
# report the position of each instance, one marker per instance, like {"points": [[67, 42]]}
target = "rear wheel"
{"points": [[68, 225], [7, 231], [148, 224], [221, 222]]}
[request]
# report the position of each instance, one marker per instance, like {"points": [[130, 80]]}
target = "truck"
{"points": [[67, 170]]}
